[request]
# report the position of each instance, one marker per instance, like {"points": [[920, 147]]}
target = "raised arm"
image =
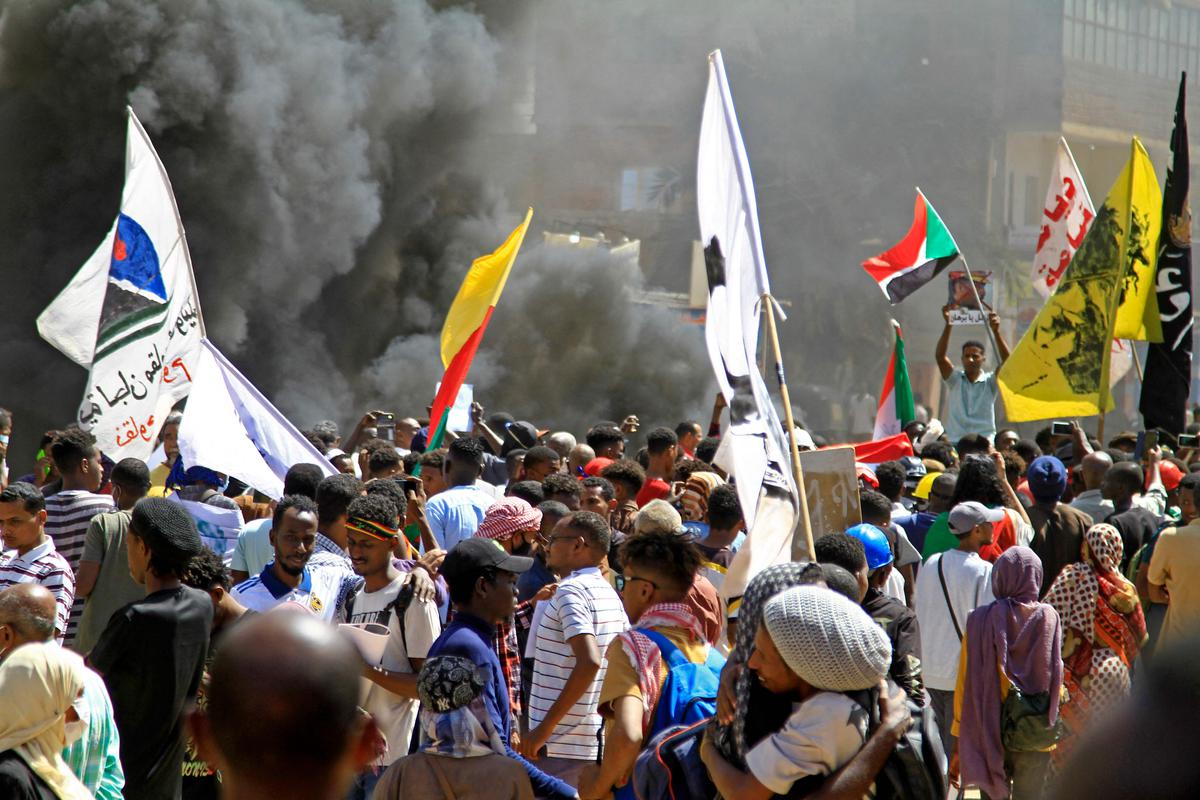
{"points": [[1001, 345], [943, 342]]}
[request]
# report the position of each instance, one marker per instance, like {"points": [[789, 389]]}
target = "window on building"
{"points": [[1133, 36], [648, 188]]}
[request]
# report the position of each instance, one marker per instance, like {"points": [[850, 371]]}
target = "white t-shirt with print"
{"points": [[396, 716]]}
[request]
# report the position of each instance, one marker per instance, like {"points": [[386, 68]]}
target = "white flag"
{"points": [[131, 313], [1066, 217], [229, 427], [755, 448], [218, 527]]}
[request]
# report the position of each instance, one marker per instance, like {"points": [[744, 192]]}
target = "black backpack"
{"points": [[913, 771]]}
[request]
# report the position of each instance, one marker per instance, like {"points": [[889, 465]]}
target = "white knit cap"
{"points": [[827, 640]]}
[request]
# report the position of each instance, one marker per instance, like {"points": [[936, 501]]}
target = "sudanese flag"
{"points": [[926, 250]]}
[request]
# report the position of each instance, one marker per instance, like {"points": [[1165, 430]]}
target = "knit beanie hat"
{"points": [[166, 528], [508, 516], [827, 640]]}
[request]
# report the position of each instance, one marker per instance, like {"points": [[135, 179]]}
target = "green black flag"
{"points": [[1169, 363]]}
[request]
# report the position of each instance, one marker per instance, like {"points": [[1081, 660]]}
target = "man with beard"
{"points": [[288, 578]]}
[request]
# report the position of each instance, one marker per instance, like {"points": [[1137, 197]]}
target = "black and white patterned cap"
{"points": [[449, 682]]}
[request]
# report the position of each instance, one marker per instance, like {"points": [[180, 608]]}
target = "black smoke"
{"points": [[320, 154]]}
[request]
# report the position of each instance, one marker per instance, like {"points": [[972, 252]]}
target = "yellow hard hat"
{"points": [[923, 487]]}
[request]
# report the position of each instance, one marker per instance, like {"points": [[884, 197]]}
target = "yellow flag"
{"points": [[1060, 366], [479, 292], [1137, 313]]}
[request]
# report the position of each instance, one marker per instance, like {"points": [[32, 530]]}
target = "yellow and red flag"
{"points": [[467, 320]]}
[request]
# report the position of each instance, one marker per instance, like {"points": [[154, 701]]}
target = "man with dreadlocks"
{"points": [[387, 598]]}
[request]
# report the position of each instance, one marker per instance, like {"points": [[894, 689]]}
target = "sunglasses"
{"points": [[623, 581]]}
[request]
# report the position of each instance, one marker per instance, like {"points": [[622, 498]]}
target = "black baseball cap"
{"points": [[471, 556]]}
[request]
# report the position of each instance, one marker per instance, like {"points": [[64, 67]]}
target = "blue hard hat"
{"points": [[875, 542]]}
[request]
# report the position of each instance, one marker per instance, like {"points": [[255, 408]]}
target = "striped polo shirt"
{"points": [[68, 514], [585, 603], [46, 566], [324, 590]]}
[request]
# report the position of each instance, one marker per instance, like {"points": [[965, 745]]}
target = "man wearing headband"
{"points": [[387, 599]]}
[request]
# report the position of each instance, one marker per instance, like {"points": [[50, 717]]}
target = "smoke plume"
{"points": [[320, 156]]}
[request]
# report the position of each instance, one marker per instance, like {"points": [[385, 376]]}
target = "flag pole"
{"points": [[798, 471], [1137, 362]]}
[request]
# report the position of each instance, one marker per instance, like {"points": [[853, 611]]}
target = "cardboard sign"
{"points": [[831, 485], [964, 308]]}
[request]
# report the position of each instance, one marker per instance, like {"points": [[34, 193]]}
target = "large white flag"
{"points": [[755, 448], [229, 427], [1066, 217], [131, 314]]}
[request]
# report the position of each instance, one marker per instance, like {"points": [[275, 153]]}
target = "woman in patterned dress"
{"points": [[1103, 629]]}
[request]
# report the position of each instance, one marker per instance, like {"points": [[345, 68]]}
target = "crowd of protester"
{"points": [[523, 613]]}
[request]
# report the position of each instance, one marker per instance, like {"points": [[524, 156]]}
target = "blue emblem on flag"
{"points": [[135, 305], [134, 264]]}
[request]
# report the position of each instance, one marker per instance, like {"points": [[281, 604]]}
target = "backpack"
{"points": [[689, 693], [914, 769], [669, 766]]}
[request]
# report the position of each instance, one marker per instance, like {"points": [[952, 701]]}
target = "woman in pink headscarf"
{"points": [[1012, 642]]}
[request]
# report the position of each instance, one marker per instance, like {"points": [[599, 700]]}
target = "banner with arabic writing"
{"points": [[131, 313]]}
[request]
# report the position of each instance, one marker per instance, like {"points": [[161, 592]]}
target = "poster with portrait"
{"points": [[964, 304]]}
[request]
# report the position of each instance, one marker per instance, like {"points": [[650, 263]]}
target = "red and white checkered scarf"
{"points": [[645, 655]]}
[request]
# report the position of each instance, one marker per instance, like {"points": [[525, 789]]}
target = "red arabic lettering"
{"points": [[134, 431], [1043, 237], [179, 365], [1077, 239], [1062, 202]]}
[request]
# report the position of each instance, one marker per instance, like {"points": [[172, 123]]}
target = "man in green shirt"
{"points": [[104, 577]]}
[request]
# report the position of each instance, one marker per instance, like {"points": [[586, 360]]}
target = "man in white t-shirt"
{"points": [[579, 623], [950, 586], [289, 578], [387, 598]]}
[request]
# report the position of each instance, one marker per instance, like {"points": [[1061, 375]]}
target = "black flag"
{"points": [[1169, 364]]}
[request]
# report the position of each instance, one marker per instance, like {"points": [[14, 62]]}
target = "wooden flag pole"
{"points": [[798, 471], [1137, 362]]}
